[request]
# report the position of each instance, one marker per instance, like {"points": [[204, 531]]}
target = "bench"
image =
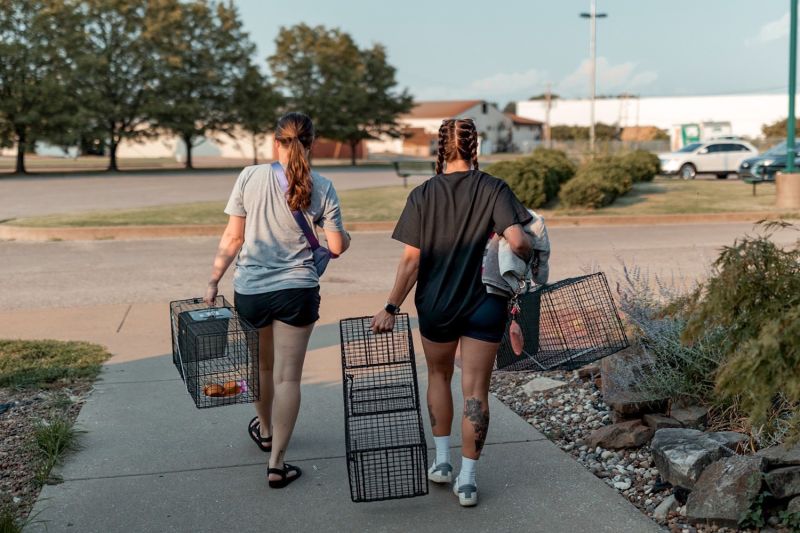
{"points": [[406, 168], [757, 180]]}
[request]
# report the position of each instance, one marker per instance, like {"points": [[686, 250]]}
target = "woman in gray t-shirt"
{"points": [[276, 283]]}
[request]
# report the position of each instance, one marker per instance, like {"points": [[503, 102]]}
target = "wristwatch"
{"points": [[391, 308]]}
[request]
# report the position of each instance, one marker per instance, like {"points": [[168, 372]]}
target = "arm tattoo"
{"points": [[475, 413], [433, 418]]}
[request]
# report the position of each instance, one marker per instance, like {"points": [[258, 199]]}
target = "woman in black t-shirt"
{"points": [[445, 226]]}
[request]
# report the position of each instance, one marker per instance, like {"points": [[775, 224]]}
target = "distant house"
{"points": [[526, 133], [421, 128]]}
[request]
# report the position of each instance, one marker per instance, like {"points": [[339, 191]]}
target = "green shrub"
{"points": [[596, 184], [527, 180], [537, 178], [753, 294], [641, 165]]}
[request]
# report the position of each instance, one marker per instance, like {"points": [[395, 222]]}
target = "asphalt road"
{"points": [[37, 195], [69, 274]]}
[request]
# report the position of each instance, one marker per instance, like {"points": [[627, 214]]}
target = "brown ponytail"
{"points": [[458, 139], [295, 131]]}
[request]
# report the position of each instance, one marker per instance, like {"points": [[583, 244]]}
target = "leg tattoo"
{"points": [[433, 418], [475, 413]]}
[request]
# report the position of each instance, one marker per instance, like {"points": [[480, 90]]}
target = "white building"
{"points": [[745, 112], [421, 128]]}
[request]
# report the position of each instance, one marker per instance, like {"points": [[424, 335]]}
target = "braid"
{"points": [[440, 156], [458, 139]]}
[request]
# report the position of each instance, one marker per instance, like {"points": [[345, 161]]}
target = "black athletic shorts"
{"points": [[296, 307], [486, 323]]}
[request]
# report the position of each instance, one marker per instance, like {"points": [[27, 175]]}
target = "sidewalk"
{"points": [[152, 462]]}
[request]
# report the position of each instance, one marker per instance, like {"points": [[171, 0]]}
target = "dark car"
{"points": [[765, 166]]}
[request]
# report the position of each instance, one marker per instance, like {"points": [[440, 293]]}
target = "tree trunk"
{"points": [[353, 145], [255, 152], [112, 149], [21, 147], [187, 140]]}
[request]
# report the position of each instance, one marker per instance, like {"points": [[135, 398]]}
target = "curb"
{"points": [[93, 233]]}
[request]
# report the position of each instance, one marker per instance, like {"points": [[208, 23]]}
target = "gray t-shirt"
{"points": [[275, 254]]}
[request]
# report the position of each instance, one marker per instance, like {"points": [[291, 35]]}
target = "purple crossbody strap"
{"points": [[298, 216]]}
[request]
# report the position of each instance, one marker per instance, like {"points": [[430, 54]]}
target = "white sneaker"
{"points": [[441, 473], [467, 494]]}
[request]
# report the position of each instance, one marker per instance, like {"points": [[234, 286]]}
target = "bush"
{"points": [[597, 184], [641, 165], [537, 178], [754, 295]]}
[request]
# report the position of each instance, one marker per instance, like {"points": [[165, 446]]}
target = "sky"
{"points": [[511, 49]]}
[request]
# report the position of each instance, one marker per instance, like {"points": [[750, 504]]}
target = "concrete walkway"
{"points": [[150, 461]]}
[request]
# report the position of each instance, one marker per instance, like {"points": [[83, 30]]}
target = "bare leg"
{"points": [[477, 361], [290, 351], [440, 358], [266, 388]]}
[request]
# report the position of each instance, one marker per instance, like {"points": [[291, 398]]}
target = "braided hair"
{"points": [[295, 131], [458, 139]]}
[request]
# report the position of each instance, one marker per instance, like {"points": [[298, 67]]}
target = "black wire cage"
{"points": [[215, 351], [566, 325], [384, 436]]}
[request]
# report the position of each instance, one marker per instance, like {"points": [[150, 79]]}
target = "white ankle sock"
{"points": [[467, 475], [442, 449]]}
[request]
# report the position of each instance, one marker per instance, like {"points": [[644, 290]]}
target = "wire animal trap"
{"points": [[384, 437], [566, 325], [215, 352]]}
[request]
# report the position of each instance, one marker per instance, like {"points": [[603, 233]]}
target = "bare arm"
{"points": [[405, 280], [518, 241], [229, 245], [338, 241]]}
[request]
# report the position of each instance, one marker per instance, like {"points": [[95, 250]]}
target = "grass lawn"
{"points": [[43, 385], [662, 196]]}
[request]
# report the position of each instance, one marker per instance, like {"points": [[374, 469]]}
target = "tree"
{"points": [[256, 106], [349, 93], [36, 43], [543, 96], [118, 67], [510, 107], [204, 57], [777, 129]]}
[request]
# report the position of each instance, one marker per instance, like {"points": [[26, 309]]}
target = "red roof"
{"points": [[516, 119], [441, 108]]}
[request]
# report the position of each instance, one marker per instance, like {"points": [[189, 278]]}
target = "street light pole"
{"points": [[593, 15], [790, 123]]}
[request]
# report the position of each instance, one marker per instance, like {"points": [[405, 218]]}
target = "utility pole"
{"points": [[790, 123], [548, 105], [593, 15]]}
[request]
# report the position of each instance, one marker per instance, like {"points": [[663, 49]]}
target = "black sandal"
{"points": [[254, 430], [284, 473]]}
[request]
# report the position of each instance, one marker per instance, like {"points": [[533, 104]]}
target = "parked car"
{"points": [[769, 163], [720, 157]]}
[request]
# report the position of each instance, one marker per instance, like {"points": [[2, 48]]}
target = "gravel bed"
{"points": [[20, 412], [567, 415]]}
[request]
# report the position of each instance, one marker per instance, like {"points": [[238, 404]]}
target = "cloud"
{"points": [[498, 86], [771, 31], [610, 78]]}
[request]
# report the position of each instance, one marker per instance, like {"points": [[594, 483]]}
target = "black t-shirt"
{"points": [[450, 218]]}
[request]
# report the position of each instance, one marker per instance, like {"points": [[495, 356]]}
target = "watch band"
{"points": [[391, 308]]}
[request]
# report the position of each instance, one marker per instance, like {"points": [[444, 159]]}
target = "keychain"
{"points": [[514, 330]]}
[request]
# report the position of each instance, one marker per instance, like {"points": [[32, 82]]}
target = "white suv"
{"points": [[720, 157]]}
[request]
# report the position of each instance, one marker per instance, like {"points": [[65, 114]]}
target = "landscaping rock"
{"points": [[657, 421], [664, 508], [692, 416], [620, 374], [737, 442], [725, 490], [541, 384], [588, 371], [781, 456], [630, 434], [784, 482], [681, 454], [794, 505]]}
